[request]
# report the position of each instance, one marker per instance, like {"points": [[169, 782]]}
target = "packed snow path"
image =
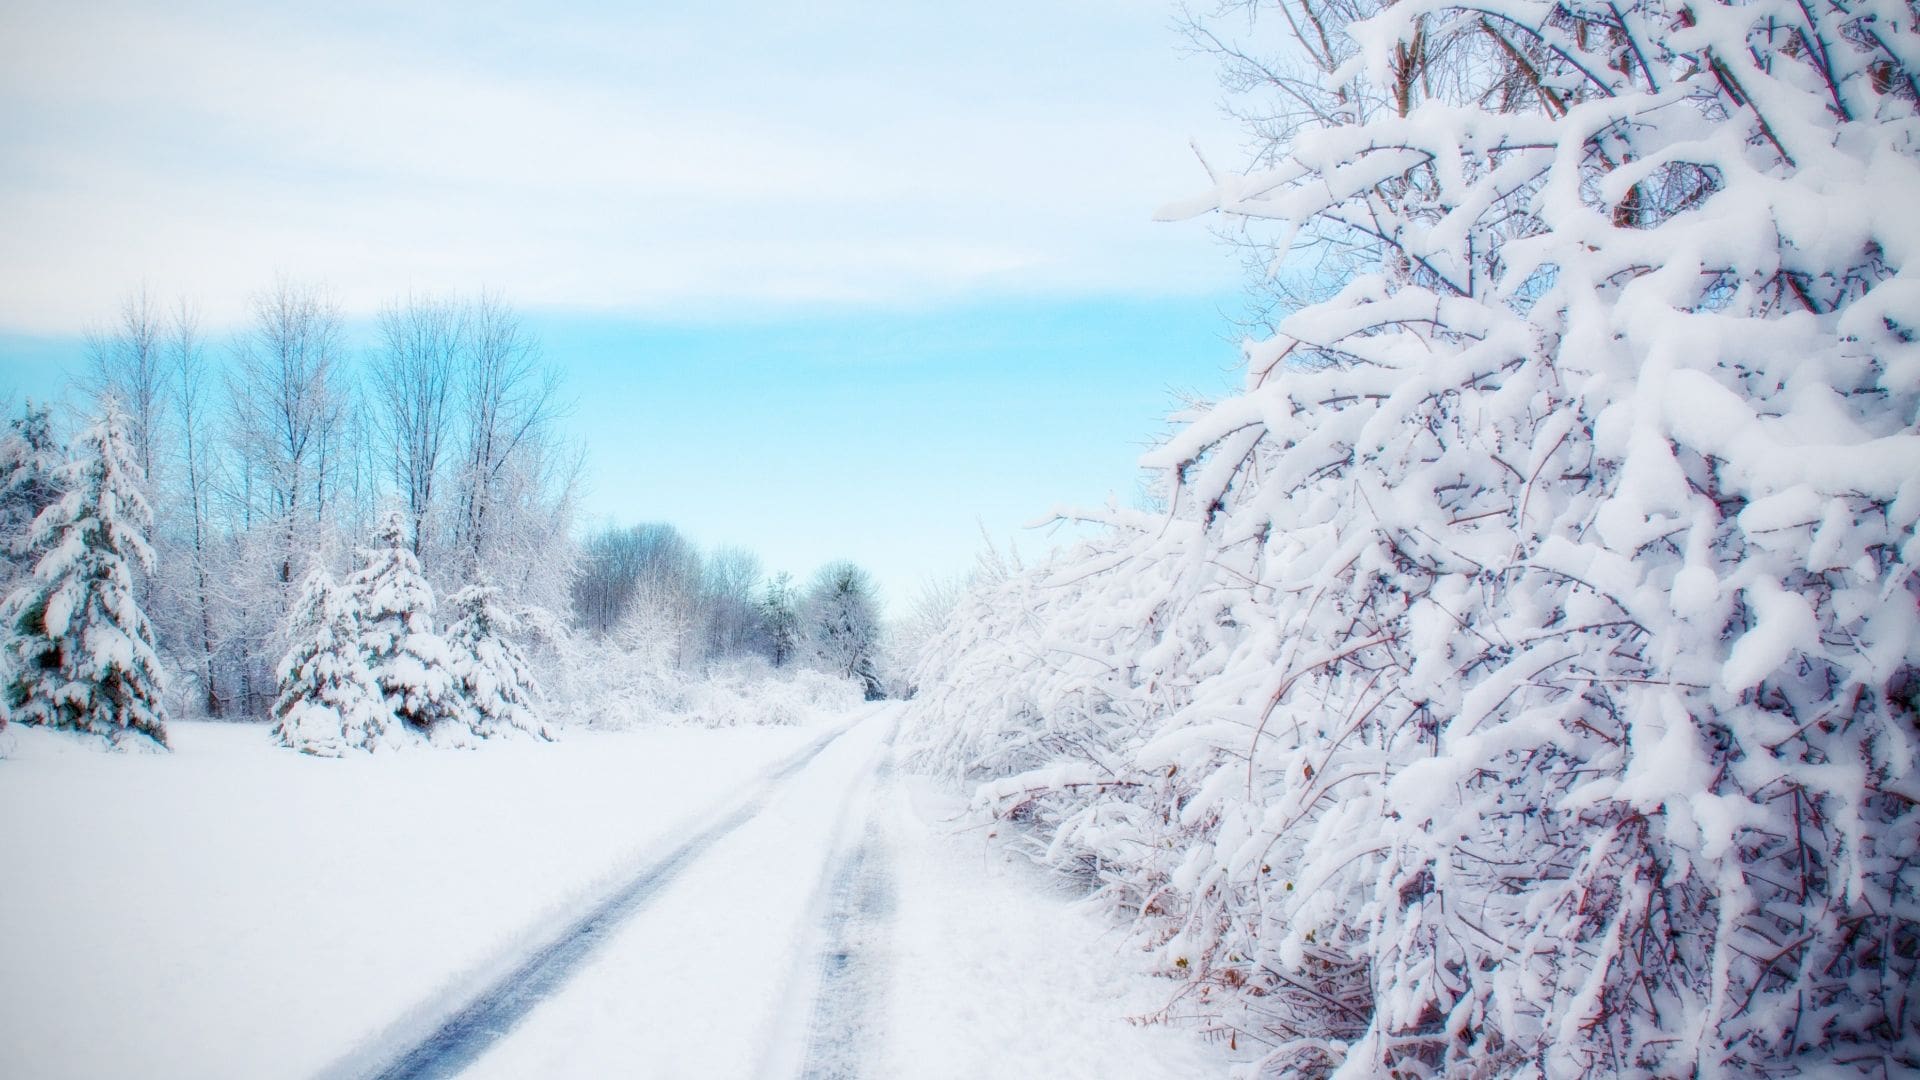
{"points": [[706, 978], [854, 962], [478, 1023]]}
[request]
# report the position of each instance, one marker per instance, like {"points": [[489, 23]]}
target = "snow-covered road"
{"points": [[695, 983], [464, 1028], [771, 903]]}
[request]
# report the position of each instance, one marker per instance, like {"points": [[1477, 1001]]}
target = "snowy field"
{"points": [[234, 910]]}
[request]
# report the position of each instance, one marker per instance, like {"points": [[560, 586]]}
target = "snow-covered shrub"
{"points": [[610, 687], [1522, 679], [753, 692], [329, 703], [410, 662], [80, 653], [907, 635], [490, 673]]}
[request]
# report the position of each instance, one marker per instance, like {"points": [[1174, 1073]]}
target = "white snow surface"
{"points": [[1045, 995], [233, 910]]}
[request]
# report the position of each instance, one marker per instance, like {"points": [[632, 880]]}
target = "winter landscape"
{"points": [[1324, 538]]}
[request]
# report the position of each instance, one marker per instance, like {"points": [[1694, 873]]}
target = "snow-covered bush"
{"points": [[80, 652], [753, 692], [1522, 679], [329, 703], [907, 635], [610, 687], [490, 673]]}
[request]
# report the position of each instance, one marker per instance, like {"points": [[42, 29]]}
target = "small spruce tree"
{"points": [[329, 703], [409, 662], [489, 670], [81, 654]]}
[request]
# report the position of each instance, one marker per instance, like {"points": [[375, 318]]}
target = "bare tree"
{"points": [[186, 353], [510, 401], [286, 409], [730, 603], [126, 362], [414, 371]]}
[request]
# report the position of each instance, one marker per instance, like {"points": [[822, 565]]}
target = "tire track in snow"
{"points": [[470, 1027], [854, 967]]}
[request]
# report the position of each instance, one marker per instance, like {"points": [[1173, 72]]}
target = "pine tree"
{"points": [[82, 654], [410, 663], [489, 670], [30, 463], [329, 703], [779, 622]]}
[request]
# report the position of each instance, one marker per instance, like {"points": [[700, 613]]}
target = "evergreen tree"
{"points": [[30, 463], [489, 671], [409, 662], [779, 622], [329, 703], [82, 654]]}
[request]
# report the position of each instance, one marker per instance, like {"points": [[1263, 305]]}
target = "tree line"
{"points": [[649, 587], [250, 469], [278, 445]]}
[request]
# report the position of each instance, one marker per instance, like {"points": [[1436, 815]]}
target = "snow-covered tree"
{"points": [[289, 442], [513, 482], [906, 635], [127, 362], [780, 620], [329, 703], [288, 398], [841, 618], [80, 653], [31, 460], [490, 672], [1521, 679], [410, 663], [422, 346], [732, 575]]}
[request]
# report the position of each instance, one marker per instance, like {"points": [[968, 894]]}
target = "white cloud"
{"points": [[628, 161]]}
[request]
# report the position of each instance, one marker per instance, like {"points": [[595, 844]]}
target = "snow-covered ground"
{"points": [[233, 910]]}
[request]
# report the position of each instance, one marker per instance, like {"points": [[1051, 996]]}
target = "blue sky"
{"points": [[849, 280]]}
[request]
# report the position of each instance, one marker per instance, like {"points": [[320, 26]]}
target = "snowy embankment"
{"points": [[1056, 990], [234, 910]]}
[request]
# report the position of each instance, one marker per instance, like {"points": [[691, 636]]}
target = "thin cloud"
{"points": [[637, 163]]}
